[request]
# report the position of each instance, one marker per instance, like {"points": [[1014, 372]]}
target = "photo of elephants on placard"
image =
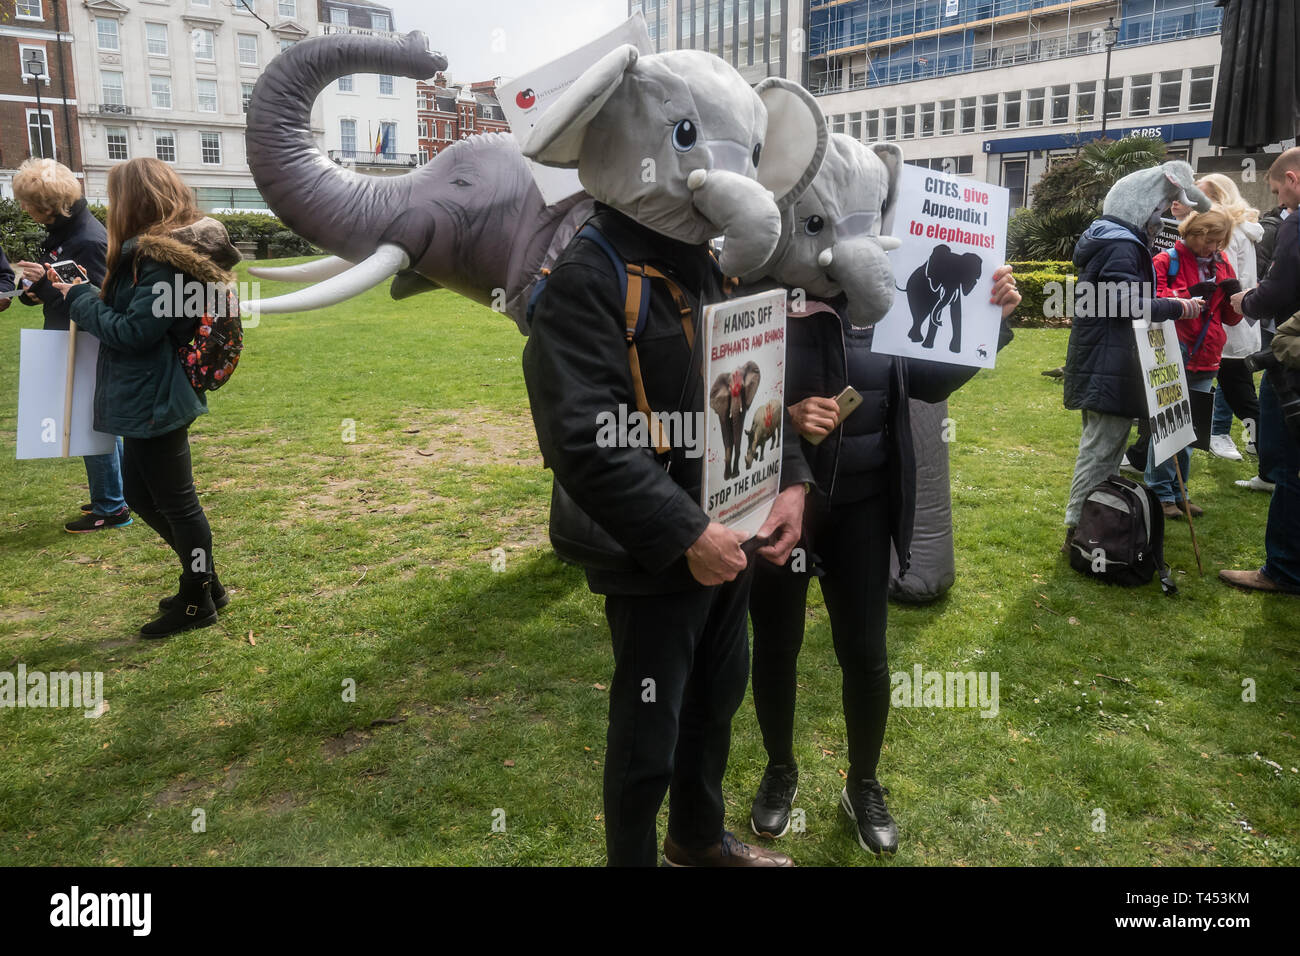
{"points": [[764, 430], [730, 398], [937, 287]]}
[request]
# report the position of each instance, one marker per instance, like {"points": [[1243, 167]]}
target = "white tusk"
{"points": [[826, 258], [317, 271], [387, 261], [696, 179], [888, 243]]}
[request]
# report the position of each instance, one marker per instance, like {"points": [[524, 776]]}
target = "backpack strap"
{"points": [[1174, 264]]}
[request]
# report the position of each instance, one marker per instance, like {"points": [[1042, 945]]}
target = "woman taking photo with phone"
{"points": [[156, 236]]}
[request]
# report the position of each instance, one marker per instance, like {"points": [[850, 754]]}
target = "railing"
{"points": [[365, 157], [329, 29], [109, 109]]}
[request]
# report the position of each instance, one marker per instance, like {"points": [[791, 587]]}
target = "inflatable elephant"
{"points": [[730, 398]]}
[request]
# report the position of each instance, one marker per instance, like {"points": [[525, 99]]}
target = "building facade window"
{"points": [[164, 145], [1139, 95], [1202, 90], [348, 136], [29, 10], [1087, 103], [210, 148], [115, 139], [346, 84], [379, 22], [873, 126], [1037, 108], [1015, 174], [338, 16], [1011, 110], [947, 117], [246, 94], [1115, 98], [203, 43], [1060, 105], [385, 85], [968, 111], [247, 49], [26, 53], [160, 92], [288, 8], [106, 34], [40, 133], [988, 112], [1171, 92], [155, 38], [207, 95], [909, 122], [927, 119], [110, 88]]}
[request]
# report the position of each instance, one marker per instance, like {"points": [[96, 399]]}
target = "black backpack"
{"points": [[1120, 537]]}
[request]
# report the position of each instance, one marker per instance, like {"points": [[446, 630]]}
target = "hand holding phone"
{"points": [[846, 402], [67, 272]]}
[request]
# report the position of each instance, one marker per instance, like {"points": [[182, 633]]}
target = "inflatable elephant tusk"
{"points": [[317, 271], [825, 258], [888, 243], [387, 261]]}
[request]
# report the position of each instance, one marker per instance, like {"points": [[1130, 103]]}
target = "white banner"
{"points": [[954, 235], [525, 98], [1169, 404], [42, 385], [744, 385]]}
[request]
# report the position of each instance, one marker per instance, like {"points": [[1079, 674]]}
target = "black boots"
{"points": [[219, 596], [193, 607]]}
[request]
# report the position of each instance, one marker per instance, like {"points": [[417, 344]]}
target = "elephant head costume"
{"points": [[1143, 198], [831, 240], [472, 219], [676, 142], [730, 397]]}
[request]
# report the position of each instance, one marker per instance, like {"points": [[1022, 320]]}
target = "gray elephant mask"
{"points": [[831, 237], [679, 142], [1142, 198]]}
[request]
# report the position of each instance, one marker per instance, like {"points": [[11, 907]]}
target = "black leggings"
{"points": [[159, 486], [853, 543]]}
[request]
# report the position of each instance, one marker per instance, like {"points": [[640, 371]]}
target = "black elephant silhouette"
{"points": [[938, 286], [730, 397]]}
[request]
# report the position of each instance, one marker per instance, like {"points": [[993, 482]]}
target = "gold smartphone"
{"points": [[848, 401]]}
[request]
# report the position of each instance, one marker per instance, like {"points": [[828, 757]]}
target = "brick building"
{"points": [[36, 28], [449, 112]]}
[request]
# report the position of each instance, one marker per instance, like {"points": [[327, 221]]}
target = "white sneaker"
{"points": [[1222, 446], [1255, 483], [1125, 466]]}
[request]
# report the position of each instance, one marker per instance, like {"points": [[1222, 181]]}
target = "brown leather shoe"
{"points": [[727, 852], [1196, 512], [1252, 581], [1171, 510]]}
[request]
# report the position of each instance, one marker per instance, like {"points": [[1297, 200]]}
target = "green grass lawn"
{"points": [[480, 692]]}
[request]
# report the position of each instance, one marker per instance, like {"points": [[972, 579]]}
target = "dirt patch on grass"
{"points": [[187, 791], [469, 436], [347, 742], [18, 614]]}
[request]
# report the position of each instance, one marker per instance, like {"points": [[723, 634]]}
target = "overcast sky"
{"points": [[487, 38]]}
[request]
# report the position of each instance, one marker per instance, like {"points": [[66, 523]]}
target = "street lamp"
{"points": [[1111, 33], [35, 67]]}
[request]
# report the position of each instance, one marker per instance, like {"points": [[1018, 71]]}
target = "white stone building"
{"points": [[172, 80]]}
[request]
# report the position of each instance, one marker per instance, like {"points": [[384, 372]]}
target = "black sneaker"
{"points": [[93, 522], [770, 814], [87, 509], [865, 805]]}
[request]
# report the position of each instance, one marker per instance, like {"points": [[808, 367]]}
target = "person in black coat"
{"points": [[50, 193], [6, 279]]}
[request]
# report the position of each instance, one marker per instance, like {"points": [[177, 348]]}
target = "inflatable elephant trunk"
{"points": [[358, 218]]}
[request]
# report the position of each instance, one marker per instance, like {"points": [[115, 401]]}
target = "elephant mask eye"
{"points": [[758, 151], [814, 225], [684, 136]]}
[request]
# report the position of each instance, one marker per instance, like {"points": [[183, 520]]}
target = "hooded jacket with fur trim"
{"points": [[142, 391]]}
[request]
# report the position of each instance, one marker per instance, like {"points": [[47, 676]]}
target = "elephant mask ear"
{"points": [[892, 157], [557, 138], [796, 140]]}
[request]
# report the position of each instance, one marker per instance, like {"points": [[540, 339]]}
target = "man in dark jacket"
{"points": [[1103, 377], [1270, 222], [677, 610], [1273, 302], [72, 233], [6, 279]]}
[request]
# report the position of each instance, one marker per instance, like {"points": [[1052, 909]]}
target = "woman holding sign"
{"points": [[158, 242]]}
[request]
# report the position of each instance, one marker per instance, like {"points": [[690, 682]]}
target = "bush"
{"points": [[252, 227], [1042, 265], [21, 234], [1035, 288], [285, 244]]}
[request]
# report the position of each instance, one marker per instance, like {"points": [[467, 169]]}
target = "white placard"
{"points": [[954, 235], [525, 98], [42, 382], [744, 347], [1169, 402]]}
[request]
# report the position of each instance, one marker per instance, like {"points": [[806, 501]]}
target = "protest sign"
{"points": [[42, 384], [1169, 407], [954, 234], [527, 97], [744, 379]]}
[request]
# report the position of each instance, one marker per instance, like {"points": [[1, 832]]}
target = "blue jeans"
{"points": [[104, 473], [1222, 424], [1282, 535], [1163, 479]]}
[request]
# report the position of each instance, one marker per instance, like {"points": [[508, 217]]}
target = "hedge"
{"points": [[1035, 289], [1065, 268]]}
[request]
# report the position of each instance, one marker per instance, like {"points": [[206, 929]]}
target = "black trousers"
{"points": [[159, 486], [853, 544], [680, 665], [1238, 386]]}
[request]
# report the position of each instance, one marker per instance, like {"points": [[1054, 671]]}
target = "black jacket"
{"points": [[80, 237], [576, 368], [6, 273], [1102, 370], [1277, 297], [1270, 222], [818, 353]]}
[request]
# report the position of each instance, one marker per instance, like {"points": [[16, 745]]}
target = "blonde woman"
{"points": [[1236, 392], [51, 194]]}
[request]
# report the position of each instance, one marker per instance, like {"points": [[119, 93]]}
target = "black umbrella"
{"points": [[1258, 102]]}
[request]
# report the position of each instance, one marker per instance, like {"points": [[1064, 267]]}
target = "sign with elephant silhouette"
{"points": [[744, 379], [953, 235]]}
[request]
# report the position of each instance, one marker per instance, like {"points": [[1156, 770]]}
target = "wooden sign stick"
{"points": [[1187, 511], [67, 394]]}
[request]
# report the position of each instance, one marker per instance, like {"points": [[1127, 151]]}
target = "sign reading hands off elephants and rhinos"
{"points": [[954, 236], [744, 378], [526, 98], [1169, 404]]}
